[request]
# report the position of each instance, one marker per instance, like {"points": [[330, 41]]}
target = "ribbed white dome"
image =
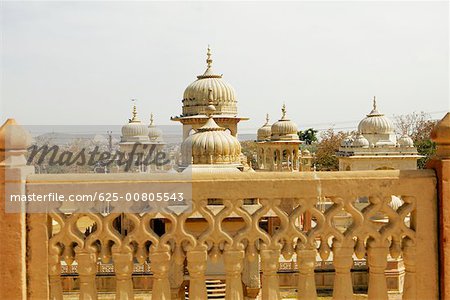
{"points": [[360, 141], [375, 123], [405, 141], [265, 132], [135, 130], [211, 145], [154, 133], [284, 129], [196, 95]]}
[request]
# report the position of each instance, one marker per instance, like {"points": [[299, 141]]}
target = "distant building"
{"points": [[278, 147], [376, 146], [196, 101], [144, 141]]}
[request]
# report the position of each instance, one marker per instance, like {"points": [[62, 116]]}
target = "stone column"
{"points": [[233, 260], [14, 141], [197, 259], [441, 164], [123, 265], [269, 267]]}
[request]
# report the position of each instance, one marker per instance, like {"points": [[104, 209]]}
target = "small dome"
{"points": [[347, 141], [375, 123], [211, 145], [405, 141], [265, 131], [284, 129], [154, 133], [196, 95], [135, 130], [306, 152], [360, 141]]}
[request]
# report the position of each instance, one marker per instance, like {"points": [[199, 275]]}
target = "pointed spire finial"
{"points": [[374, 103], [134, 112], [151, 118], [283, 111], [209, 59], [267, 118]]}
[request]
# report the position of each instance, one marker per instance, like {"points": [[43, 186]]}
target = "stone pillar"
{"points": [[269, 267], [197, 260], [441, 164], [233, 260], [14, 141]]}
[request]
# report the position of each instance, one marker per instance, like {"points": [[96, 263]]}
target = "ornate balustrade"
{"points": [[409, 232]]}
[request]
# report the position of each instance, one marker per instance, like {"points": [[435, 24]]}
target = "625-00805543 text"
{"points": [[99, 196]]}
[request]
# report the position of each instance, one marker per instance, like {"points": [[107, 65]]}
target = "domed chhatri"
{"points": [[265, 132], [376, 146], [277, 147], [284, 129], [135, 130], [375, 122], [211, 145], [154, 133], [195, 98]]}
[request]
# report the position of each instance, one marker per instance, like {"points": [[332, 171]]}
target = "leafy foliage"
{"points": [[248, 148], [418, 126], [308, 136], [325, 158]]}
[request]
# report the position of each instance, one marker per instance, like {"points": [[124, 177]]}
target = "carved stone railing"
{"points": [[414, 240]]}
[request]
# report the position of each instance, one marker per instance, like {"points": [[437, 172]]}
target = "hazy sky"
{"points": [[81, 62]]}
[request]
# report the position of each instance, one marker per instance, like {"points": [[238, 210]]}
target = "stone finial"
{"points": [[283, 111], [374, 103], [441, 136], [267, 118], [14, 141], [208, 59], [134, 113], [151, 118]]}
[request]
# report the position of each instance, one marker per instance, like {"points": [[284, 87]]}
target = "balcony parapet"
{"points": [[179, 245]]}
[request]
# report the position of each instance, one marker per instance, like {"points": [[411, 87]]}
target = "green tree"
{"points": [[308, 136]]}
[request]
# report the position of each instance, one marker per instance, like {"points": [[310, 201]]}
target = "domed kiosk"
{"points": [[376, 147], [196, 98], [211, 148], [277, 146]]}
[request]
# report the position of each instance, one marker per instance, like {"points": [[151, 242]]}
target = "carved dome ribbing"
{"points": [[284, 129], [135, 130], [375, 123], [264, 133], [211, 144], [360, 141], [154, 133], [195, 98]]}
